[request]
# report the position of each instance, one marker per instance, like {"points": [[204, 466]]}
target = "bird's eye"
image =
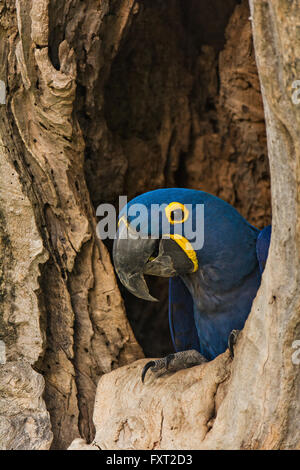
{"points": [[176, 213]]}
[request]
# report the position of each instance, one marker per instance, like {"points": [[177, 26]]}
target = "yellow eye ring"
{"points": [[173, 206]]}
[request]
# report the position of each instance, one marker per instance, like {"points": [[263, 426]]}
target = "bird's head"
{"points": [[161, 233], [154, 237]]}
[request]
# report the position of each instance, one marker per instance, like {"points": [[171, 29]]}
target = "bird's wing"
{"points": [[262, 246], [181, 316]]}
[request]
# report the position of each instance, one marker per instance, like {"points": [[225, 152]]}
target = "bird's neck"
{"points": [[209, 294]]}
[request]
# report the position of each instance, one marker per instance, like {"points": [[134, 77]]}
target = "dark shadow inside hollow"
{"points": [[182, 108], [149, 320]]}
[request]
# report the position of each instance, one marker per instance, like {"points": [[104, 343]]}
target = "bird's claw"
{"points": [[146, 368], [174, 362], [155, 366], [232, 339]]}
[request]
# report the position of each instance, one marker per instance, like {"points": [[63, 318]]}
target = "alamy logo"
{"points": [[2, 92], [174, 220]]}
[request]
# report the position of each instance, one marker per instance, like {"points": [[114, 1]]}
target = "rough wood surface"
{"points": [[173, 411], [71, 325]]}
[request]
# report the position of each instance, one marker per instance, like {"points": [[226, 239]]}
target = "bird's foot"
{"points": [[174, 362], [232, 339]]}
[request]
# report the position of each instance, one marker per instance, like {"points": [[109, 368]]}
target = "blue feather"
{"points": [[181, 316]]}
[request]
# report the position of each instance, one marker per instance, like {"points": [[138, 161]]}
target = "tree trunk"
{"points": [[61, 311], [113, 97]]}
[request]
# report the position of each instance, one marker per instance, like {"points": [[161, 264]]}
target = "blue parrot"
{"points": [[211, 287]]}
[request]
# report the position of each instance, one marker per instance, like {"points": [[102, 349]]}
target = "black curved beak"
{"points": [[130, 254], [134, 256]]}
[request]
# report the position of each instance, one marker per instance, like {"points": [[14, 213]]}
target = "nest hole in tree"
{"points": [[181, 108]]}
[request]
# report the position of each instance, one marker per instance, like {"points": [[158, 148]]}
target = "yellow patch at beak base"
{"points": [[186, 247]]}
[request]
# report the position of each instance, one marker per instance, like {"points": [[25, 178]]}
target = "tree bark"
{"points": [[61, 311], [120, 97]]}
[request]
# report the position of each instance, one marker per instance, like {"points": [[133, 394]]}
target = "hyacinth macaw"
{"points": [[211, 289]]}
